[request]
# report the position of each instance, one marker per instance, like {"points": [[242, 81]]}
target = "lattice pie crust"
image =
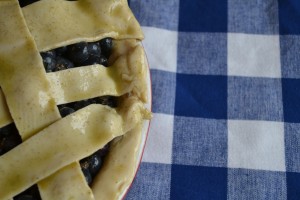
{"points": [[52, 146]]}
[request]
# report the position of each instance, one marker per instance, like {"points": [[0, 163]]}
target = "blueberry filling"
{"points": [[106, 45], [75, 55], [92, 164], [24, 3], [64, 111], [79, 54], [31, 193], [62, 63], [69, 108], [9, 138], [49, 60]]}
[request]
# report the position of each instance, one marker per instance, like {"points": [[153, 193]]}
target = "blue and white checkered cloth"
{"points": [[226, 100]]}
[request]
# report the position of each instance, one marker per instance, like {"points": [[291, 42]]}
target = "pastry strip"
{"points": [[127, 74], [62, 184], [119, 167], [67, 190], [67, 22], [5, 117], [67, 140], [23, 80], [28, 96], [42, 95]]}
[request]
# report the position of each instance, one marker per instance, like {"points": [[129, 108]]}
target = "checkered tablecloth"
{"points": [[226, 100]]}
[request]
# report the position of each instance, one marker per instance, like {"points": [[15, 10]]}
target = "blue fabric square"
{"points": [[255, 98], [289, 17], [152, 182], [291, 99], [156, 14], [255, 184], [203, 16], [293, 185], [201, 183], [253, 16], [163, 91], [290, 56], [201, 96], [292, 146], [200, 142], [202, 53]]}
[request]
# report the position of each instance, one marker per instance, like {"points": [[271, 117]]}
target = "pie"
{"points": [[73, 89]]}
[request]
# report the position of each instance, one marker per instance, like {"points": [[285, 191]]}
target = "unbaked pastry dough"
{"points": [[29, 97]]}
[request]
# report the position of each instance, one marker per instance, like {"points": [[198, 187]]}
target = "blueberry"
{"points": [[93, 163], [108, 100], [87, 175], [93, 101], [94, 49], [49, 64], [81, 104], [51, 53], [24, 3], [103, 61], [92, 60], [94, 52], [62, 63], [78, 53], [49, 60], [106, 46], [84, 164], [5, 131], [24, 197], [103, 152], [10, 142], [66, 111], [9, 138], [31, 193], [61, 51], [2, 150]]}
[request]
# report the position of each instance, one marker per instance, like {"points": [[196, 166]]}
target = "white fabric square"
{"points": [[160, 138], [256, 145], [161, 48], [254, 55]]}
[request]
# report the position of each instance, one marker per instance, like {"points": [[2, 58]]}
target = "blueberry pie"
{"points": [[73, 89]]}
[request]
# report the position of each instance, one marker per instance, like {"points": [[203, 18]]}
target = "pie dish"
{"points": [[73, 78]]}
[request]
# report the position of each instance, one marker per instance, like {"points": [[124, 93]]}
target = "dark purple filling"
{"points": [[76, 55], [79, 54], [24, 3], [9, 138]]}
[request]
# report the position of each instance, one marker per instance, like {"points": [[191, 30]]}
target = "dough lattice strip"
{"points": [[115, 177], [28, 117], [65, 141], [57, 188], [91, 81], [5, 117], [126, 75], [28, 97], [82, 20]]}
